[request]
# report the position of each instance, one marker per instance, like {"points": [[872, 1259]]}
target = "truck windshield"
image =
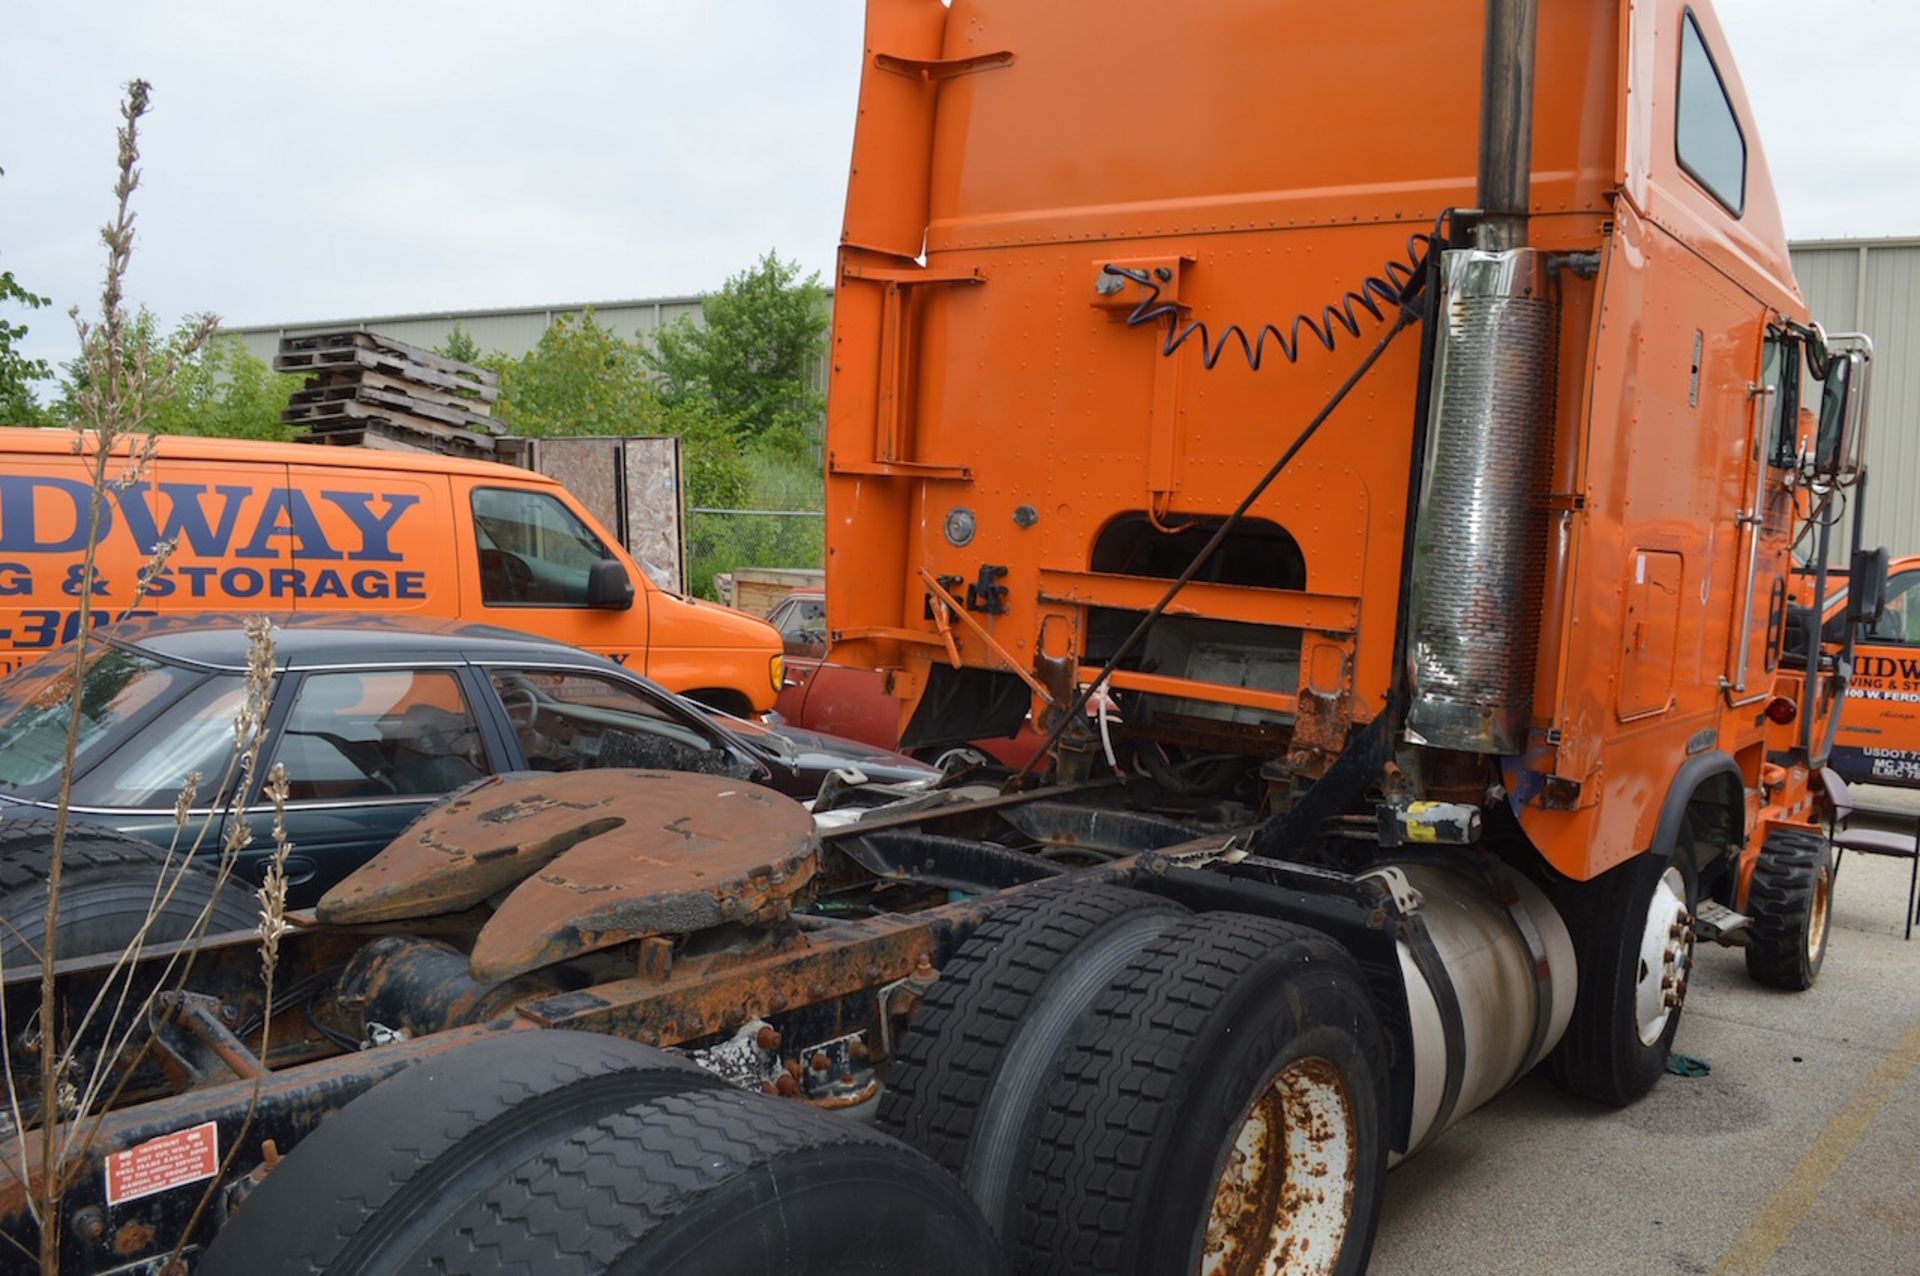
{"points": [[120, 689]]}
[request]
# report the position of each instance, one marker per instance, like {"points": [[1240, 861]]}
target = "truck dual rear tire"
{"points": [[1131, 1089], [563, 1152], [108, 885], [1788, 900], [1633, 945], [971, 1082]]}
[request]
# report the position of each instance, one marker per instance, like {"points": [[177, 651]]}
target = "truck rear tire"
{"points": [[1633, 971], [377, 1178], [718, 1183], [1788, 900], [1225, 1107], [971, 1081], [107, 887]]}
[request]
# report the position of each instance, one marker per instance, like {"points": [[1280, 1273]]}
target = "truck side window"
{"points": [[1901, 622], [383, 733], [1707, 137], [1780, 414], [534, 552]]}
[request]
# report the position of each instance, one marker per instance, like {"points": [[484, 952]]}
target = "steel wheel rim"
{"points": [[1284, 1194], [1666, 953], [1817, 919]]}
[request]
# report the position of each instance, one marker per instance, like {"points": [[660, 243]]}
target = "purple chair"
{"points": [[1904, 846]]}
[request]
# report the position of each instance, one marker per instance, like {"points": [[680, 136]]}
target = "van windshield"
{"points": [[120, 690]]}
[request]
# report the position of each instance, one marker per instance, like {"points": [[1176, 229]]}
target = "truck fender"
{"points": [[1712, 778]]}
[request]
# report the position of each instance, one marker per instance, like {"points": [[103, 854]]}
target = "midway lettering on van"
{"points": [[211, 521], [204, 516], [1904, 669]]}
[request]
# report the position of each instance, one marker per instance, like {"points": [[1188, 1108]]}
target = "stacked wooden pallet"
{"points": [[369, 390]]}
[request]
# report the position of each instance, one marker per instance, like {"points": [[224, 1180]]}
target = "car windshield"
{"points": [[119, 691]]}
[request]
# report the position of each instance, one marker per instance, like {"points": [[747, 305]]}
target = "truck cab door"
{"points": [[1764, 523]]}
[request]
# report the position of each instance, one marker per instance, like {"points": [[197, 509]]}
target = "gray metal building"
{"points": [[1873, 286], [1853, 285], [513, 331]]}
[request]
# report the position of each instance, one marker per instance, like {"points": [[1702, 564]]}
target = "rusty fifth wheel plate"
{"points": [[480, 842], [690, 852]]}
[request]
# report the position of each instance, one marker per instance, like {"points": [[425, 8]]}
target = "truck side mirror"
{"points": [[609, 586], [1839, 441], [1867, 587]]}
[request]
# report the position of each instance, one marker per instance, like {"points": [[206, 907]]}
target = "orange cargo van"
{"points": [[283, 528]]}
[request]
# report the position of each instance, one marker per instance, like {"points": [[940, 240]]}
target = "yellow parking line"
{"points": [[1791, 1201]]}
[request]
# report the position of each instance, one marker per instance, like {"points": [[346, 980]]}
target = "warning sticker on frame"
{"points": [[172, 1160]]}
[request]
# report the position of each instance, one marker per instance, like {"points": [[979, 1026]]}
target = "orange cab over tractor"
{"points": [[1368, 441]]}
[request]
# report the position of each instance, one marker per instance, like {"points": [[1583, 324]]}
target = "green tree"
{"points": [[18, 373], [218, 389], [460, 345], [583, 378], [756, 356]]}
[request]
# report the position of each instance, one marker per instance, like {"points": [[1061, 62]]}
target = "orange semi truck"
{"points": [[1367, 441]]}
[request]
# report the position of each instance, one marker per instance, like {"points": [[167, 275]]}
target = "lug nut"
{"points": [[820, 1061], [768, 1038]]}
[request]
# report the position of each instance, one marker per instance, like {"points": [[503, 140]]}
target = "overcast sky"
{"points": [[307, 163]]}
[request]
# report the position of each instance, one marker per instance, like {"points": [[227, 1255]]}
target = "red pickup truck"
{"points": [[852, 703]]}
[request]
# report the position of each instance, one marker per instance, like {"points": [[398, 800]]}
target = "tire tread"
{"points": [[1779, 899]]}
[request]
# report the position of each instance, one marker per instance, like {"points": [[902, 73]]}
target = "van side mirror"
{"points": [[609, 586], [1867, 587]]}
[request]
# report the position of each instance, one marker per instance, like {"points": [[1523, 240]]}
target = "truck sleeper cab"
{"points": [[281, 529]]}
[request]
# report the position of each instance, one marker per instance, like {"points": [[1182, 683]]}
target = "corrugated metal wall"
{"points": [[512, 332], [1873, 286]]}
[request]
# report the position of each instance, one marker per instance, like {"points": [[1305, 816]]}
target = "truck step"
{"points": [[1720, 924]]}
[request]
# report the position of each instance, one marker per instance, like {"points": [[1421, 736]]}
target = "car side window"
{"points": [[194, 733], [534, 551], [802, 623], [1901, 621], [572, 719], [380, 733]]}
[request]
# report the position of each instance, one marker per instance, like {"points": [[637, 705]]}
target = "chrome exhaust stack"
{"points": [[1480, 535]]}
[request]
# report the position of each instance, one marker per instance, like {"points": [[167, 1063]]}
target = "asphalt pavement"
{"points": [[1799, 1152]]}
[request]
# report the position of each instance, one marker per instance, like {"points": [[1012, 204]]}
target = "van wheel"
{"points": [[1632, 930], [109, 883], [1789, 900], [1224, 1111], [971, 1081], [725, 699]]}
